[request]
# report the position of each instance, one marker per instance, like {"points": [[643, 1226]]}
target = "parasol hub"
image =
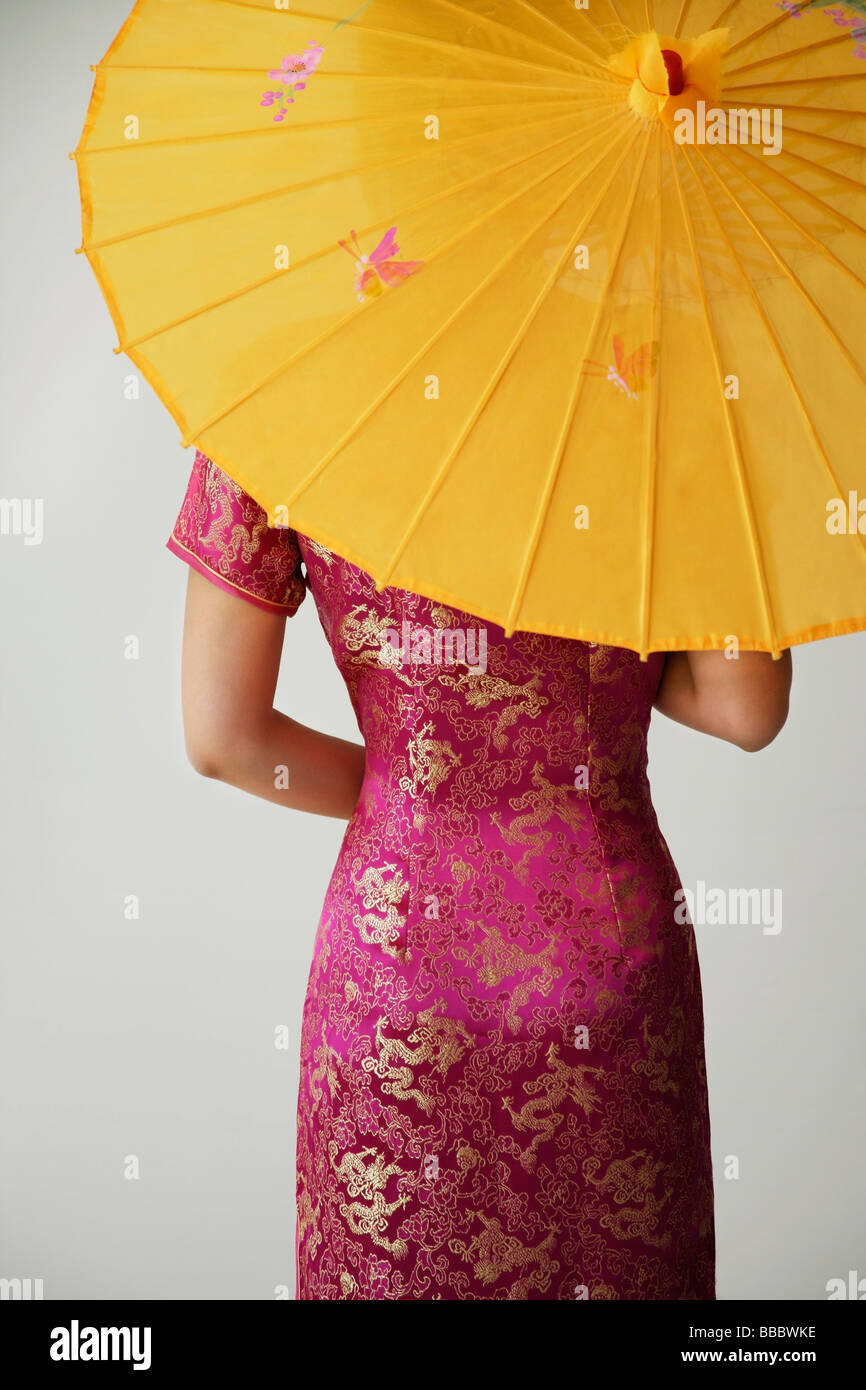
{"points": [[671, 74], [676, 76]]}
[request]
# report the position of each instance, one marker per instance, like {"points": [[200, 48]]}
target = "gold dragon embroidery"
{"points": [[430, 760], [326, 1060], [367, 1181], [630, 1180], [381, 895], [660, 1048], [308, 1221], [322, 551], [638, 1223], [483, 688], [437, 1044], [494, 1253], [548, 799], [549, 1091], [498, 959], [364, 637], [624, 1178]]}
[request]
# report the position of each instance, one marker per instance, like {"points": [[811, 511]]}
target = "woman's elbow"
{"points": [[754, 731], [213, 747], [206, 758]]}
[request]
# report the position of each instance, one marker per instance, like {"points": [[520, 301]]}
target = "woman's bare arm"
{"points": [[231, 660], [742, 700]]}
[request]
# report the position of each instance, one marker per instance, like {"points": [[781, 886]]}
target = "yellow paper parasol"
{"points": [[552, 310]]}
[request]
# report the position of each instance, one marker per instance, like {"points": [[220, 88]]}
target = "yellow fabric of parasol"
{"points": [[555, 312]]}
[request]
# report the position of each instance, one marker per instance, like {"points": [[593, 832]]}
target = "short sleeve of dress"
{"points": [[224, 533]]}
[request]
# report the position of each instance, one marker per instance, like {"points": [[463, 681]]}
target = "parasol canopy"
{"points": [[551, 311]]}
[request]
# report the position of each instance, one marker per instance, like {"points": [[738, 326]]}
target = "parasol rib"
{"points": [[452, 319], [828, 171], [794, 279], [652, 437], [756, 33], [565, 33], [526, 563], [819, 135], [818, 111], [405, 34], [424, 40], [800, 191], [684, 8], [771, 332], [789, 53], [324, 180], [400, 213], [717, 23], [306, 127], [439, 478], [509, 29], [615, 7], [825, 77], [330, 74], [733, 440], [372, 305]]}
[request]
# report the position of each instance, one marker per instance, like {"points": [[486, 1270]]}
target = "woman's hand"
{"points": [[231, 660], [742, 699]]}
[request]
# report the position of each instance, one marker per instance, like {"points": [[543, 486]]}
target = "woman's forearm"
{"points": [[287, 763], [743, 700]]}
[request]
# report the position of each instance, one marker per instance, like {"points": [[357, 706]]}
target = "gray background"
{"points": [[156, 1037]]}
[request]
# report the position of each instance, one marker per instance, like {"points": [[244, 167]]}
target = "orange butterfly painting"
{"points": [[628, 374], [378, 268]]}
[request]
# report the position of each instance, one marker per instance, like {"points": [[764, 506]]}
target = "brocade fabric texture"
{"points": [[503, 1089], [223, 533]]}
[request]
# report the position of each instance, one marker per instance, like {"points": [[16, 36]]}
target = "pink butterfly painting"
{"points": [[628, 374], [380, 267]]}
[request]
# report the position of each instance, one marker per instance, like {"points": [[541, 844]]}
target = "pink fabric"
{"points": [[223, 533], [503, 1091]]}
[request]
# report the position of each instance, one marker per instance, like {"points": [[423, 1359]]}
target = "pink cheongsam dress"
{"points": [[502, 1089]]}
